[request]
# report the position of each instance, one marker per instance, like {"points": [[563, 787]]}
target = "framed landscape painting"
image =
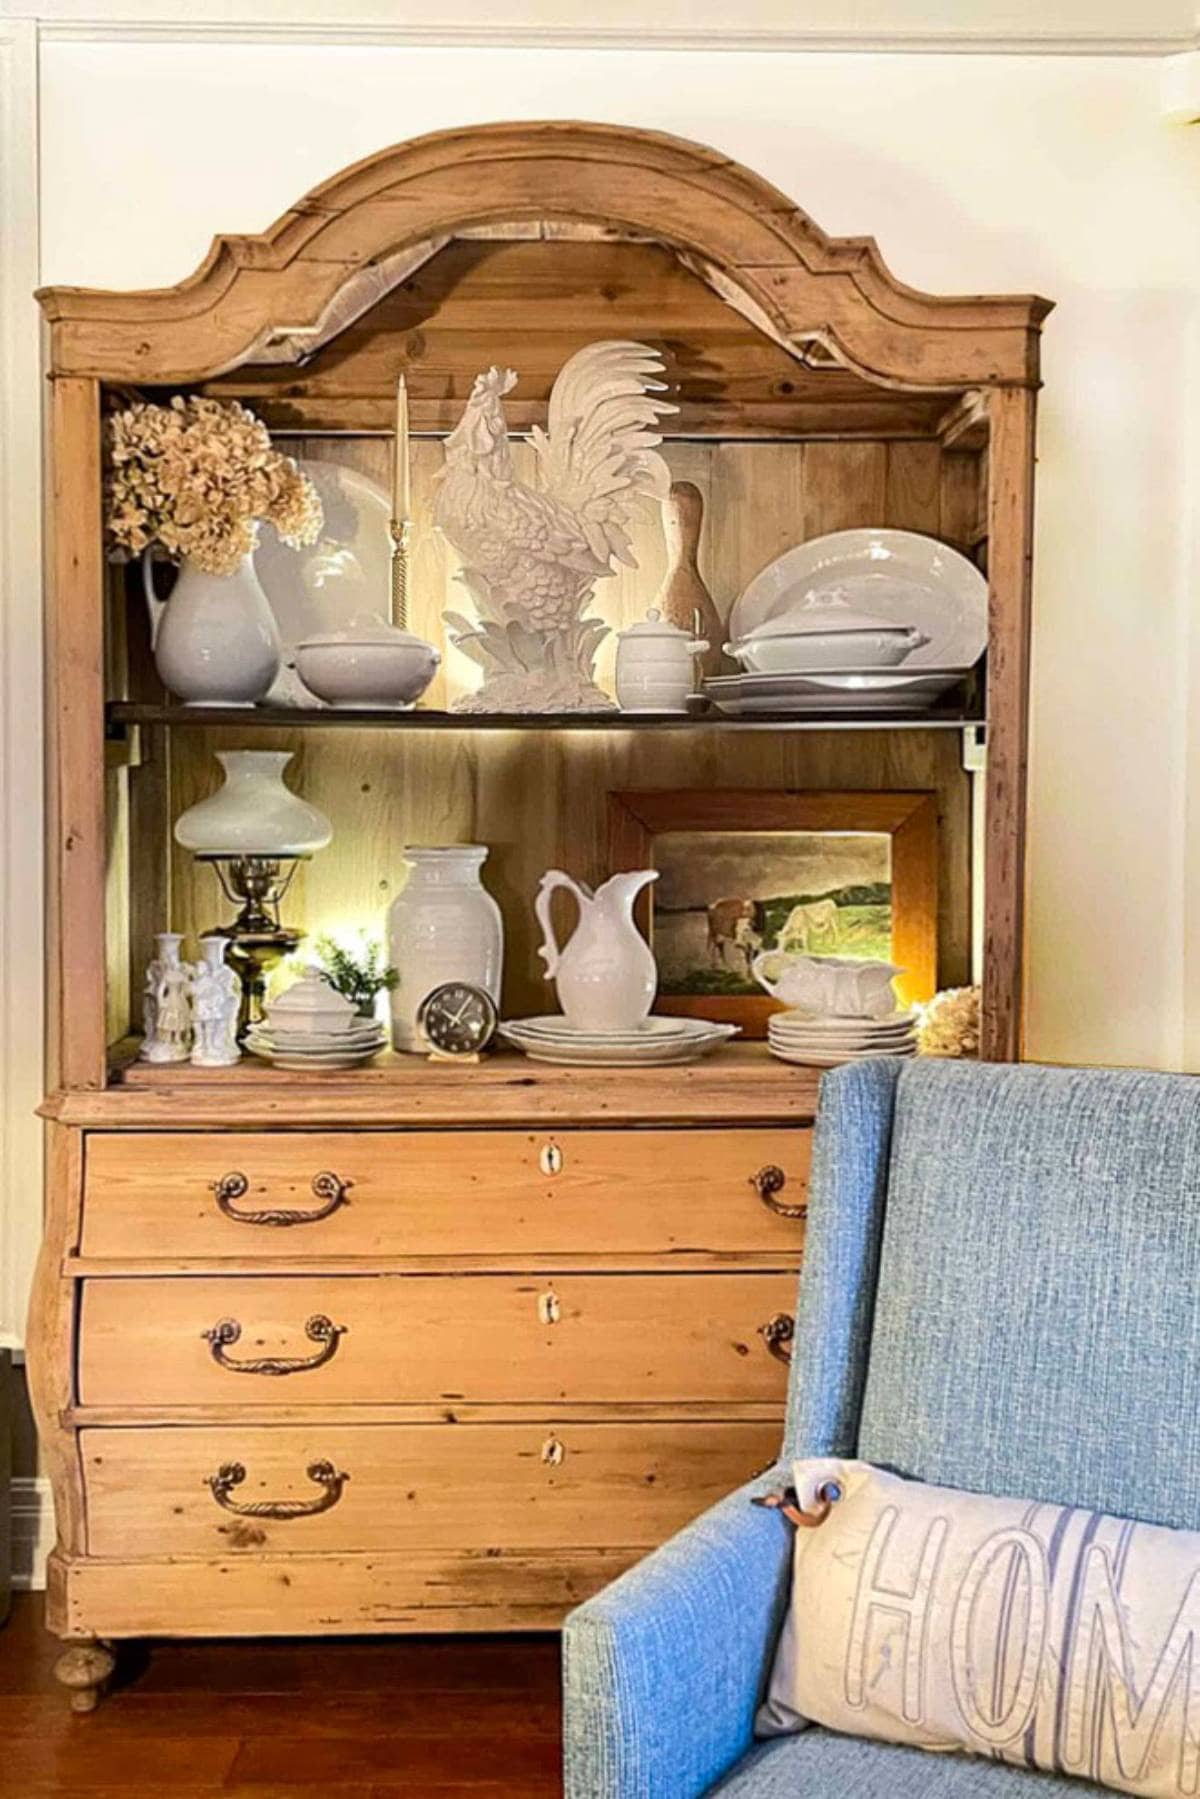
{"points": [[748, 873]]}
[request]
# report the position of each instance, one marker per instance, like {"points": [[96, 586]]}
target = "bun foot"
{"points": [[83, 1670]]}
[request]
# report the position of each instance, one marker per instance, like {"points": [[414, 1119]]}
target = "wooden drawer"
{"points": [[430, 1339], [479, 1193], [356, 1488]]}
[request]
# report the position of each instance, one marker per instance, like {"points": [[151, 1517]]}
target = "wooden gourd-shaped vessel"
{"points": [[683, 599], [282, 1321]]}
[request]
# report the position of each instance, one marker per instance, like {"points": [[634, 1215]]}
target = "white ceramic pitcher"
{"points": [[606, 974], [215, 640]]}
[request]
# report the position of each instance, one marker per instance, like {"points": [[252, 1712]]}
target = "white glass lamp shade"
{"points": [[253, 814]]}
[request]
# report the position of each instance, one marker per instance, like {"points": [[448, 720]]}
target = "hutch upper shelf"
{"points": [[814, 392]]}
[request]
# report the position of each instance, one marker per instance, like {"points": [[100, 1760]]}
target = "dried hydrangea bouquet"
{"points": [[194, 479]]}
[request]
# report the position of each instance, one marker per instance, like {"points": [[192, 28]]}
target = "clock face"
{"points": [[457, 1019]]}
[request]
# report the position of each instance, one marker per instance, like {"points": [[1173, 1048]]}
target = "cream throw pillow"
{"points": [[1032, 1634]]}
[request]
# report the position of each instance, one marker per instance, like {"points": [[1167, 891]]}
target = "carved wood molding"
{"points": [[280, 295]]}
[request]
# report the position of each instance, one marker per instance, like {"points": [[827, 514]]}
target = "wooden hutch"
{"points": [[562, 1295]]}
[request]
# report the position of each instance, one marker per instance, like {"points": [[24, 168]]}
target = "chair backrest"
{"points": [[1036, 1323]]}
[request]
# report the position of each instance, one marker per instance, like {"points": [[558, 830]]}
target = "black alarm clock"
{"points": [[457, 1019]]}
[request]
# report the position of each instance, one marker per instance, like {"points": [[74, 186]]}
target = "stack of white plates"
{"points": [[364, 1038], [832, 690], [655, 1042], [823, 1041]]}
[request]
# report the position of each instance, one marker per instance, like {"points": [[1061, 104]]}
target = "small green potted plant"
{"points": [[359, 974]]}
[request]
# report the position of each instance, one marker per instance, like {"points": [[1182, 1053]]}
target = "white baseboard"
{"points": [[33, 1532]]}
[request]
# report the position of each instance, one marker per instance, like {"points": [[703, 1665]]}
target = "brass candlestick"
{"points": [[400, 529]]}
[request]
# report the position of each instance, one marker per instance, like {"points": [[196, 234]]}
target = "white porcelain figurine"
{"points": [[532, 555], [606, 975], [216, 999], [166, 1006]]}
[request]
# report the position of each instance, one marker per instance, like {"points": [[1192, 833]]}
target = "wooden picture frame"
{"points": [[909, 819]]}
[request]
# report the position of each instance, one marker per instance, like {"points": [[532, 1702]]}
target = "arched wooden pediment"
{"points": [[278, 296]]}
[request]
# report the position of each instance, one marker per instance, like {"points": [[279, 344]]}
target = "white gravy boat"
{"points": [[831, 985]]}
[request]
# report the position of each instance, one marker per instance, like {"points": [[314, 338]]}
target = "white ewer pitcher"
{"points": [[606, 974], [215, 640]]}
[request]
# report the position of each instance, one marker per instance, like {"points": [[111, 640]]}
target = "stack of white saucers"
{"points": [[652, 1044], [823, 1040], [294, 1049]]}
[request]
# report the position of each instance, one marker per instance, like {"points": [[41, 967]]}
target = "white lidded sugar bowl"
{"points": [[655, 667]]}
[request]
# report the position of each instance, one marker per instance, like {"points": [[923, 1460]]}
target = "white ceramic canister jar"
{"points": [[443, 926], [655, 670]]}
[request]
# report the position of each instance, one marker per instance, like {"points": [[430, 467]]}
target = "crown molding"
{"points": [[763, 26]]}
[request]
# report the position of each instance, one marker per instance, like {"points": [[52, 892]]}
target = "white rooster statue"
{"points": [[533, 555]]}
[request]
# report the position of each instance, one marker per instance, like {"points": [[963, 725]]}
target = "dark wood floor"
{"points": [[476, 1717]]}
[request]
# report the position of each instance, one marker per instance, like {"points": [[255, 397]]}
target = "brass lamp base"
{"points": [[253, 955], [257, 941]]}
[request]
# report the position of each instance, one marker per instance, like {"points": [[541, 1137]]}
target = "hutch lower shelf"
{"points": [[411, 1348]]}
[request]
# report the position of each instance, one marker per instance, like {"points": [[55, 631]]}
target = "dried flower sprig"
{"points": [[949, 1024], [195, 477]]}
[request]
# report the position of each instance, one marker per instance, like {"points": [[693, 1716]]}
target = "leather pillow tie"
{"points": [[788, 1502]]}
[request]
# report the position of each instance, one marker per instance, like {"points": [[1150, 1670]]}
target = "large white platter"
{"points": [[698, 1037], [900, 576], [347, 570], [554, 1028], [743, 695]]}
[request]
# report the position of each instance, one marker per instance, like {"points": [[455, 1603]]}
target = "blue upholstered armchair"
{"points": [[1001, 1292]]}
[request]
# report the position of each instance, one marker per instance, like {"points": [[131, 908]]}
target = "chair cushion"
{"points": [[820, 1765], [1038, 1307]]}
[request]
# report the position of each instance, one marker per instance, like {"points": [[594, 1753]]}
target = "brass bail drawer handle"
{"points": [[232, 1474], [319, 1329], [326, 1187], [767, 1183], [777, 1334]]}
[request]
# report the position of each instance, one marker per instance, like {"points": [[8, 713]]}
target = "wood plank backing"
{"points": [[443, 1193], [420, 1340], [400, 1487]]}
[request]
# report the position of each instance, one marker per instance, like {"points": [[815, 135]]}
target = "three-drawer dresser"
{"points": [[451, 1363]]}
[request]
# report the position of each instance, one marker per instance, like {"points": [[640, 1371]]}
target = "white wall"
{"points": [[976, 173]]}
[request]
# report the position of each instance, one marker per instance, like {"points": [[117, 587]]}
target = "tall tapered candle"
{"points": [[401, 497]]}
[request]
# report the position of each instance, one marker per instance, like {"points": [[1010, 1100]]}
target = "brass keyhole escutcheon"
{"points": [[550, 1158], [553, 1452], [549, 1310]]}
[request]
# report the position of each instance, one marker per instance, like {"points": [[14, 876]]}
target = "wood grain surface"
{"points": [[419, 1487], [428, 1339], [421, 1193]]}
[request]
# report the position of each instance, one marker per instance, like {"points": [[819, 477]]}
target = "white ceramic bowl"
{"points": [[368, 665], [804, 652]]}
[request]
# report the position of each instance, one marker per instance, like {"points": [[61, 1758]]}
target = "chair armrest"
{"points": [[664, 1669]]}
